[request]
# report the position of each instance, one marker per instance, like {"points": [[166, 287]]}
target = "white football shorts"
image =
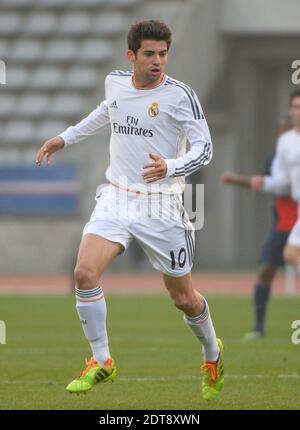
{"points": [[158, 222]]}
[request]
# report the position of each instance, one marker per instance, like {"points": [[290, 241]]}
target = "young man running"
{"points": [[286, 176], [284, 217], [151, 115]]}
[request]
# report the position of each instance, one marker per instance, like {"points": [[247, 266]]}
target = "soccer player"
{"points": [[284, 216], [151, 115], [286, 176]]}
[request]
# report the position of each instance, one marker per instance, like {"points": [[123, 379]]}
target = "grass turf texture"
{"points": [[156, 355]]}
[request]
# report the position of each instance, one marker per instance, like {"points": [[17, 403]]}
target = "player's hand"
{"points": [[158, 169], [49, 147], [228, 178], [257, 183]]}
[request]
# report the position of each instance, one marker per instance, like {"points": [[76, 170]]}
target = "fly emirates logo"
{"points": [[132, 128]]}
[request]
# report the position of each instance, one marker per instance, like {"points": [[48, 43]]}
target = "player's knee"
{"points": [[182, 302], [85, 277], [267, 273]]}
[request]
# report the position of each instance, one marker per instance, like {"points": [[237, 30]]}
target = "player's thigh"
{"points": [[94, 256], [292, 249], [273, 247], [169, 244], [292, 254]]}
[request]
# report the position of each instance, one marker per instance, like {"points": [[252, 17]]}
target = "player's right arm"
{"points": [[90, 125], [48, 148], [234, 179]]}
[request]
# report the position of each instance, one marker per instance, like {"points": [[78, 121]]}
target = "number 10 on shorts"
{"points": [[181, 258]]}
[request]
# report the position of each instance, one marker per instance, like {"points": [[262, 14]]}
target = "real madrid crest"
{"points": [[153, 109]]}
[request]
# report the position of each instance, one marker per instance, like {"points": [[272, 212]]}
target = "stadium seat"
{"points": [[75, 24], [10, 23], [47, 78], [90, 3], [17, 3], [57, 4], [26, 51], [95, 50], [40, 24], [4, 49], [50, 128], [51, 46], [67, 105], [61, 51], [122, 3], [18, 132], [7, 104], [17, 78], [109, 23], [32, 105], [81, 78]]}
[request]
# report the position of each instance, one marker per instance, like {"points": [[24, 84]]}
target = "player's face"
{"points": [[295, 111], [150, 60]]}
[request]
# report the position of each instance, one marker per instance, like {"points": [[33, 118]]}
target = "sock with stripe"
{"points": [[203, 328], [91, 308]]}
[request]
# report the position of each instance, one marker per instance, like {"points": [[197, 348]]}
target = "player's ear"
{"points": [[131, 56]]}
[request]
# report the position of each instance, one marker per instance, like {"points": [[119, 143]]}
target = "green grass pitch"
{"points": [[156, 355]]}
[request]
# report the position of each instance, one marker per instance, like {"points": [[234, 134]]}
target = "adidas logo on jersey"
{"points": [[114, 105]]}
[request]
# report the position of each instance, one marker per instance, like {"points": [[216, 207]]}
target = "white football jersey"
{"points": [[143, 121], [285, 174]]}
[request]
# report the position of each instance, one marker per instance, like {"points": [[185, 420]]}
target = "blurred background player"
{"points": [[286, 175], [284, 216]]}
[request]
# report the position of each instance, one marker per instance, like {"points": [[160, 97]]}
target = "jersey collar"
{"points": [[148, 89]]}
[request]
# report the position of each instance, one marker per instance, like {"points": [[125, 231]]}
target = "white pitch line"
{"points": [[161, 379]]}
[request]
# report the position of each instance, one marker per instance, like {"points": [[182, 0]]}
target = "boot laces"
{"points": [[89, 364], [210, 368]]}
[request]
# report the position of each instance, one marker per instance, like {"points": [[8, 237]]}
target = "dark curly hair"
{"points": [[148, 30]]}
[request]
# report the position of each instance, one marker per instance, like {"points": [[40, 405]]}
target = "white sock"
{"points": [[91, 308], [204, 330]]}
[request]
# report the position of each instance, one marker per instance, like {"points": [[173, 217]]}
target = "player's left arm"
{"points": [[189, 117]]}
